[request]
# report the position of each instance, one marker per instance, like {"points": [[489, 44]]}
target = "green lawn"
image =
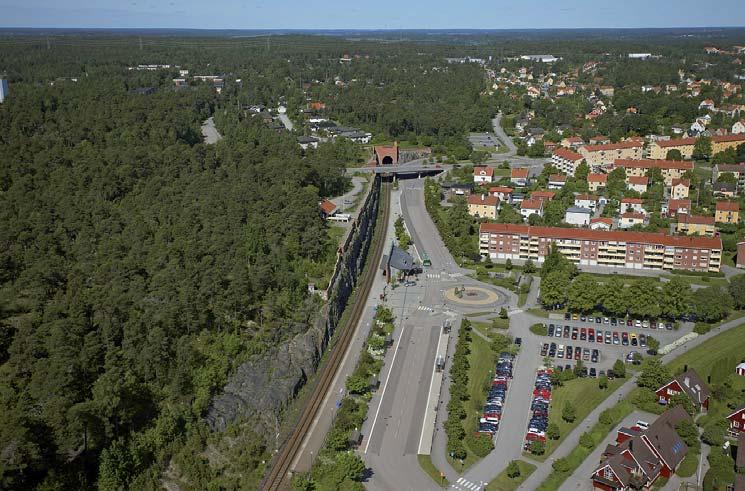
{"points": [[580, 453], [585, 396], [689, 465], [700, 280], [702, 358], [425, 462], [501, 172], [492, 327], [538, 312], [505, 483]]}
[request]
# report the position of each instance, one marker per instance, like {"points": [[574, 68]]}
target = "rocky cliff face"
{"points": [[262, 388]]}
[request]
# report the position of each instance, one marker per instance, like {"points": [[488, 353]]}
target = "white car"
{"points": [[637, 323]]}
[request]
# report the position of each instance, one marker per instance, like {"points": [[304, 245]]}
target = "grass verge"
{"points": [[505, 483], [425, 462], [580, 453], [584, 395]]}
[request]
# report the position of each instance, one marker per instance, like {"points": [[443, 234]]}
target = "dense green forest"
{"points": [[138, 267]]}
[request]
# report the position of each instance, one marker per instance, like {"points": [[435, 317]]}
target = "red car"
{"points": [[583, 334], [578, 354]]}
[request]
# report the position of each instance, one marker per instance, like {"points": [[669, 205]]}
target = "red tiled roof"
{"points": [[477, 199], [633, 201], [606, 220], [531, 204], [574, 139], [567, 154], [676, 142], [603, 235], [684, 182], [728, 206], [676, 204], [613, 146], [695, 219], [728, 138], [500, 189], [649, 163], [638, 180], [483, 171], [542, 195], [586, 197], [519, 172], [557, 178], [633, 214], [327, 207], [597, 177]]}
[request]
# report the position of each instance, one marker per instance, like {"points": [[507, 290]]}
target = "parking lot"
{"points": [[600, 341], [495, 399], [483, 140]]}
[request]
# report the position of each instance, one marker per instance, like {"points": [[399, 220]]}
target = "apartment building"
{"points": [[719, 143], [727, 212], [606, 154], [737, 170], [613, 249], [670, 169], [658, 149], [566, 160], [695, 225]]}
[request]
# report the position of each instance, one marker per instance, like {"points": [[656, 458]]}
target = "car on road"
{"points": [[410, 283], [518, 341]]}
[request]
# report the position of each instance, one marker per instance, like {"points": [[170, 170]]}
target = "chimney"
{"points": [[631, 445], [483, 196]]}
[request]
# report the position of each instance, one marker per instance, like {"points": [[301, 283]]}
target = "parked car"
{"points": [[625, 338], [569, 352], [637, 323], [567, 330], [668, 326], [606, 320], [551, 330], [607, 337], [595, 356], [630, 323], [582, 318], [544, 349], [592, 372], [575, 331], [633, 339], [560, 351], [578, 353], [598, 320], [586, 354], [567, 316], [518, 341], [583, 334], [616, 338], [642, 340]]}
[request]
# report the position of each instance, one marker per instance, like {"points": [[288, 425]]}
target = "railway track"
{"points": [[278, 477]]}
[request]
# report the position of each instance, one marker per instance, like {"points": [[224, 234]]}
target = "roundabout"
{"points": [[472, 296]]}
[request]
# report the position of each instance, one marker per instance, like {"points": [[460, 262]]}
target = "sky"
{"points": [[380, 14]]}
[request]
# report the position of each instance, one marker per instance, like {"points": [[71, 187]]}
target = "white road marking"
{"points": [[385, 387]]}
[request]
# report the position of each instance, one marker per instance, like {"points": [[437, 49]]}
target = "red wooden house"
{"points": [[689, 383], [737, 421]]}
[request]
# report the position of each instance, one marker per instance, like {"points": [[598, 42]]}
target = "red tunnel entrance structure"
{"points": [[386, 155]]}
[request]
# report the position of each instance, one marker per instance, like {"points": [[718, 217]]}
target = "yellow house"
{"points": [[695, 225], [723, 142], [679, 188], [596, 181], [483, 206], [727, 212]]}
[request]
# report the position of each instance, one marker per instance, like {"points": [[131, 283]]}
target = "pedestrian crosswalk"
{"points": [[465, 485], [424, 307], [433, 276]]}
